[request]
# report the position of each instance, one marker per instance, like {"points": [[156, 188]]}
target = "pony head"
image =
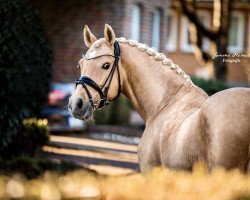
{"points": [[100, 80]]}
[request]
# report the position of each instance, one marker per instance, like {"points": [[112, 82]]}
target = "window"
{"points": [[156, 27], [205, 20], [185, 44], [135, 22], [236, 32], [171, 31]]}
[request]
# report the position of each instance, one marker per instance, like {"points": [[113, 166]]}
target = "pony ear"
{"points": [[88, 37], [109, 34]]}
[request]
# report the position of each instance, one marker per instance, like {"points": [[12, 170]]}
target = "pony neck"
{"points": [[152, 86]]}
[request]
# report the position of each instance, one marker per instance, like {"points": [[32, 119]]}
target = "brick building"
{"points": [[63, 20]]}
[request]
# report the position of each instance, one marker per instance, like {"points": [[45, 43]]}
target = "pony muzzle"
{"points": [[80, 109]]}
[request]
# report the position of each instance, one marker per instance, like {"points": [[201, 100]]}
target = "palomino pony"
{"points": [[183, 124]]}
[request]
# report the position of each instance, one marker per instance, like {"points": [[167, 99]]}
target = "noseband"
{"points": [[103, 92]]}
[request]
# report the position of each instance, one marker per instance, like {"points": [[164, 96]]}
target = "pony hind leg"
{"points": [[229, 154], [227, 115], [248, 161]]}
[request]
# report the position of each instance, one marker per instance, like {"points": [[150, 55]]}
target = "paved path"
{"points": [[105, 157]]}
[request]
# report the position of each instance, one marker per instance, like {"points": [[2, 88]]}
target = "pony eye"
{"points": [[78, 66], [106, 65]]}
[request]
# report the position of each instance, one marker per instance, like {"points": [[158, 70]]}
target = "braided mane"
{"points": [[157, 56]]}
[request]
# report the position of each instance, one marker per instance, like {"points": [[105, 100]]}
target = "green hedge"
{"points": [[210, 86], [25, 66], [32, 136], [34, 167]]}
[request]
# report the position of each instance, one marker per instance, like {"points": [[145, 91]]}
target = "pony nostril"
{"points": [[79, 104]]}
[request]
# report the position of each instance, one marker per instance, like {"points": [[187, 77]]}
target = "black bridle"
{"points": [[84, 81]]}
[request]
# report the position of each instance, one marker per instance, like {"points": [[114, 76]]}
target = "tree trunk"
{"points": [[222, 39], [220, 66], [217, 34]]}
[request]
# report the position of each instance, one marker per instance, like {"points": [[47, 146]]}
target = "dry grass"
{"points": [[161, 184]]}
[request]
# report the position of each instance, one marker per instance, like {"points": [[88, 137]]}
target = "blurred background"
{"points": [[41, 43]]}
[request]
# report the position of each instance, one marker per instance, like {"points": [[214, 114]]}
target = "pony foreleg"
{"points": [[147, 155], [147, 164]]}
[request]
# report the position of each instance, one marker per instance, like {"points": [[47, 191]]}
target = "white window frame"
{"points": [[135, 22], [156, 29], [184, 45], [240, 35], [172, 37]]}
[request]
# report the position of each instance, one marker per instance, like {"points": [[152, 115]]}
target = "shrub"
{"points": [[34, 133], [210, 86], [25, 66], [32, 168]]}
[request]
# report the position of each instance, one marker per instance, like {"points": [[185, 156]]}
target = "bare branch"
{"points": [[192, 16], [216, 15], [197, 42], [226, 8]]}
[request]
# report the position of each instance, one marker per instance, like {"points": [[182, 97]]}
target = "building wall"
{"points": [[147, 8], [64, 20]]}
